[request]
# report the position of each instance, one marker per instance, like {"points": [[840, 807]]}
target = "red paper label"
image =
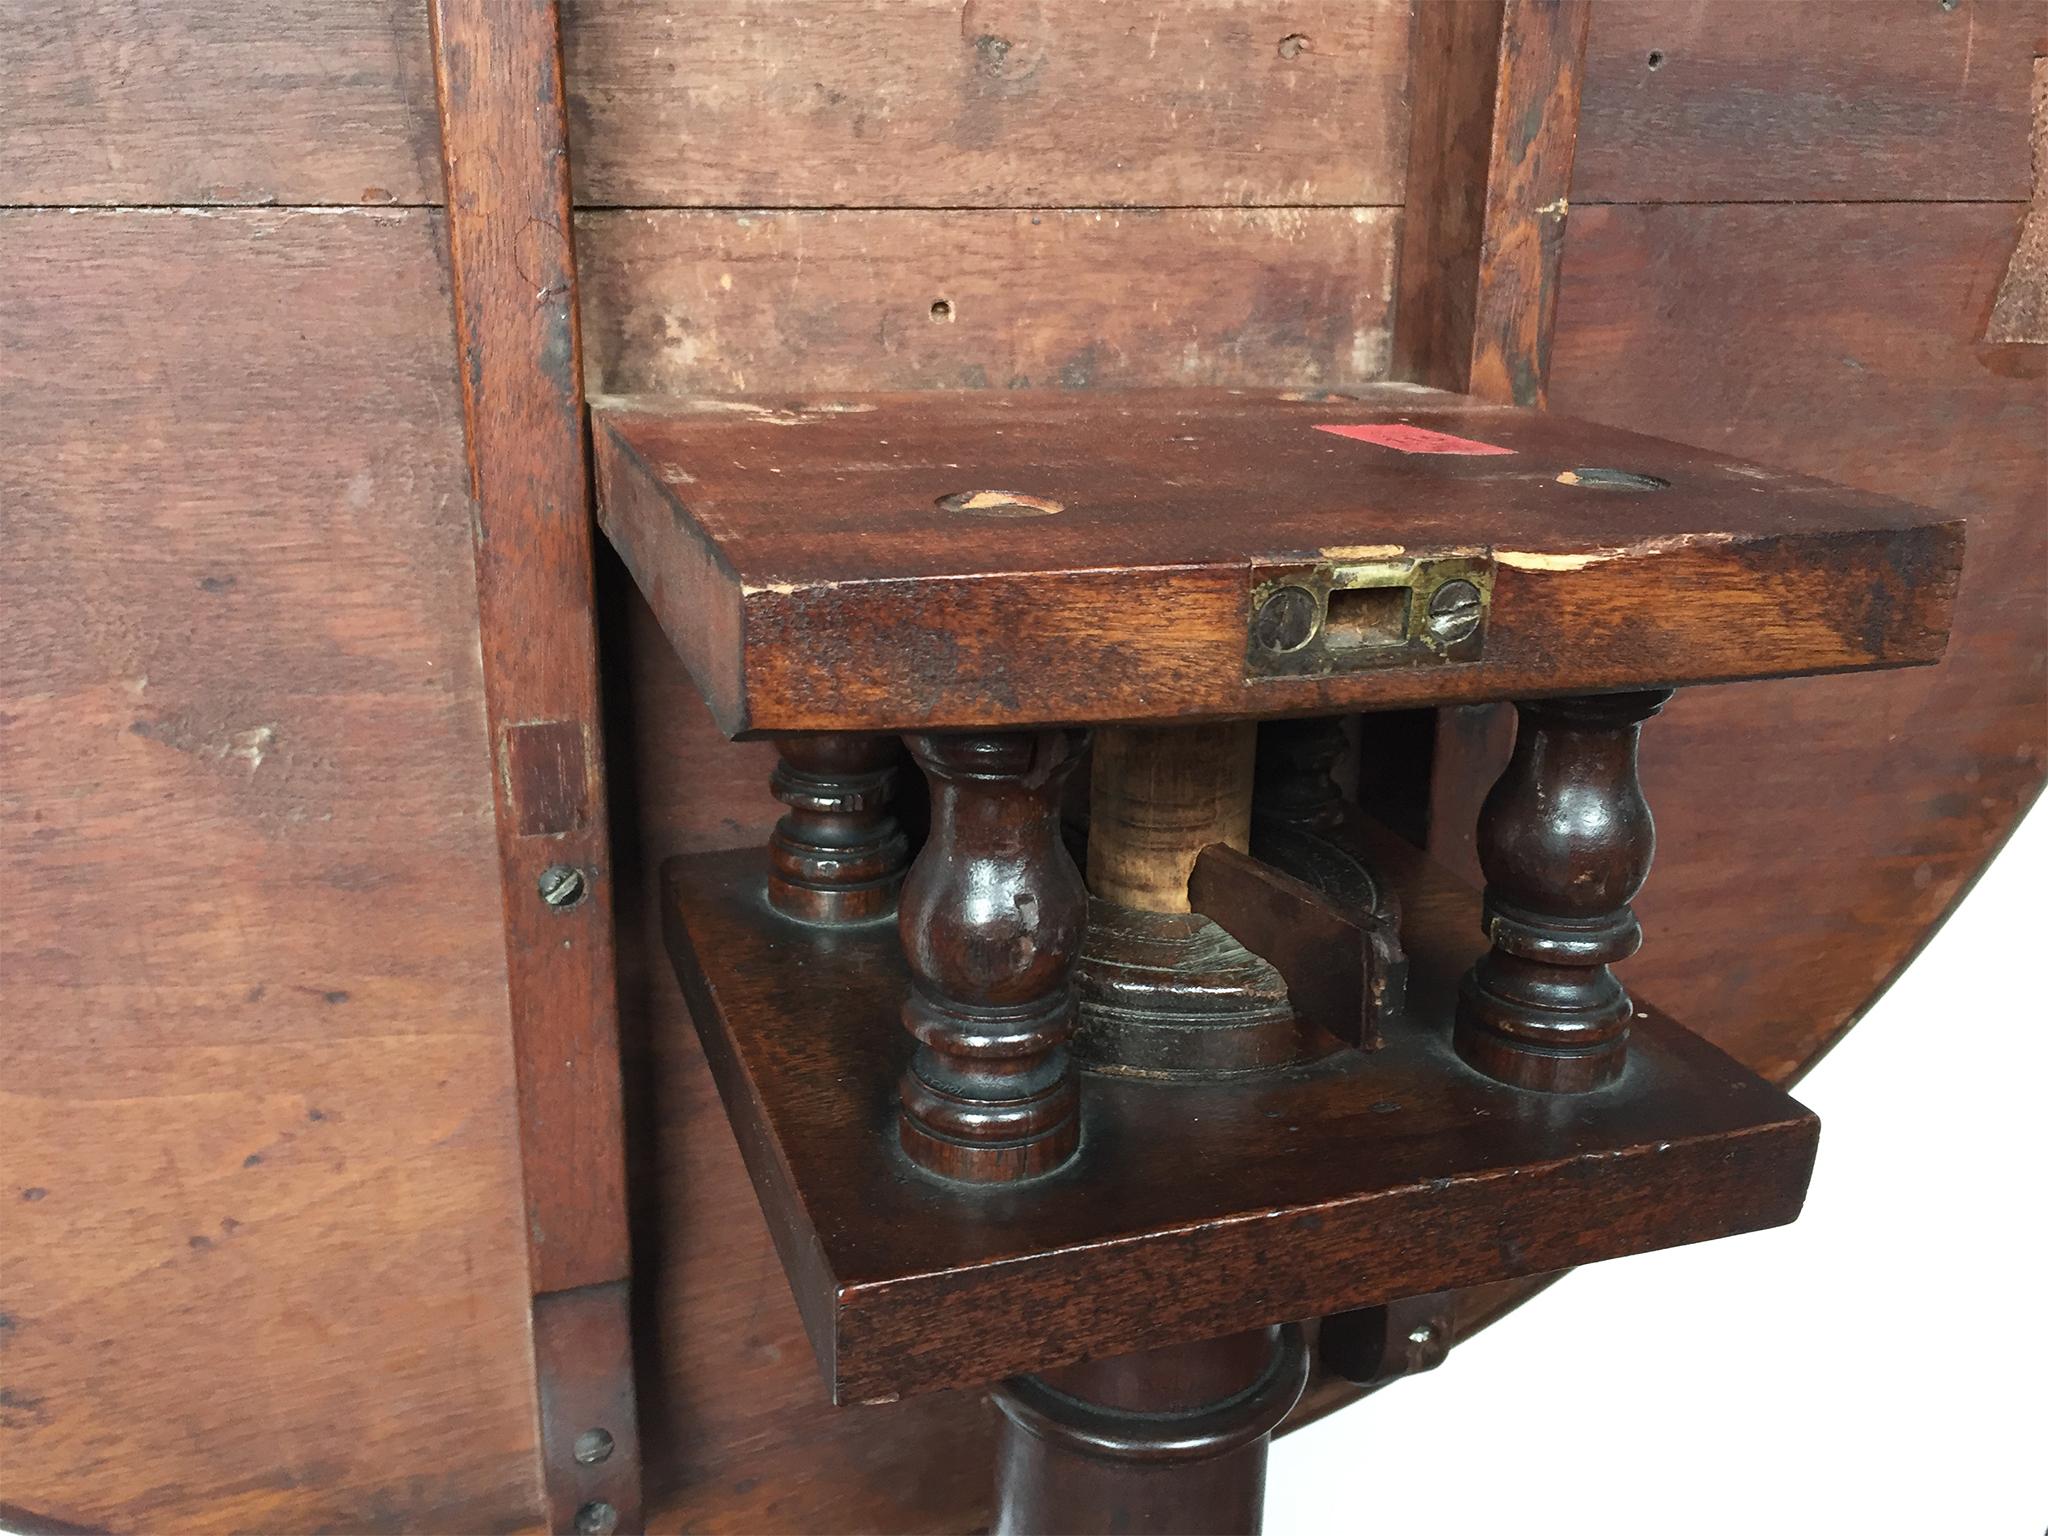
{"points": [[1402, 438]]}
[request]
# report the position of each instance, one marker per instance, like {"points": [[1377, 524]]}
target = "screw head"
{"points": [[1454, 610], [597, 1518], [1425, 1334], [1286, 620], [561, 885], [593, 1446]]}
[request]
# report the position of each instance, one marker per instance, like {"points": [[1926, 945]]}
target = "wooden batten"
{"points": [[498, 73]]}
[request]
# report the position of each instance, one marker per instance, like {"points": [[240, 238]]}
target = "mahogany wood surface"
{"points": [[1840, 341], [990, 925], [972, 559], [261, 1254], [730, 104], [504, 133], [1165, 1440], [699, 301], [839, 853], [1004, 103], [1496, 87], [1826, 101], [331, 330], [1378, 1176], [1565, 841]]}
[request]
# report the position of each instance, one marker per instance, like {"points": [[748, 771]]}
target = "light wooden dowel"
{"points": [[1159, 796]]}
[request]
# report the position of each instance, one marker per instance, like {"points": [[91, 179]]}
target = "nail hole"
{"points": [[1293, 45], [593, 1446], [1656, 58], [942, 309], [1601, 478], [1000, 504]]}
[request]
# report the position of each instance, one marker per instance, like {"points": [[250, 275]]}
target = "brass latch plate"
{"points": [[1331, 615]]}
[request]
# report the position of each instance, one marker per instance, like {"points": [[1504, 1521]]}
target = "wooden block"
{"points": [[1823, 101], [684, 303], [1190, 1211], [994, 103], [825, 564]]}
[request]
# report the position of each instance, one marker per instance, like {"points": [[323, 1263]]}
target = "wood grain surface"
{"points": [[729, 104], [1496, 88], [260, 1245], [694, 302], [1703, 101], [768, 533], [991, 103], [218, 101], [1841, 341], [1379, 1177]]}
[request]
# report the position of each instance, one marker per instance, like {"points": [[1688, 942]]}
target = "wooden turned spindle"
{"points": [[1158, 796], [1295, 779], [991, 919], [1169, 1440], [1565, 839], [838, 856]]}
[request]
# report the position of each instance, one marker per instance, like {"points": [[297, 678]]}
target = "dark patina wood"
{"points": [[1565, 840], [991, 923], [839, 854], [1169, 1440], [1380, 1176], [504, 148], [1155, 521]]}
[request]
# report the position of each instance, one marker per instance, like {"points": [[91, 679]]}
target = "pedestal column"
{"points": [[1171, 1440]]}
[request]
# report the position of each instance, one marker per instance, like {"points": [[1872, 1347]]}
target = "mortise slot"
{"points": [[1362, 616]]}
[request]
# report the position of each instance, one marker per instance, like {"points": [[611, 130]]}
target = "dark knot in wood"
{"points": [[1565, 839], [992, 915]]}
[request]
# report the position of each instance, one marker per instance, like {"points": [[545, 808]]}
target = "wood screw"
{"points": [[561, 885], [593, 1446], [1454, 610]]}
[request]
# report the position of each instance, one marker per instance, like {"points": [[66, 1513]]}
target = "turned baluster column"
{"points": [[1565, 839], [838, 856], [1170, 1440], [991, 918]]}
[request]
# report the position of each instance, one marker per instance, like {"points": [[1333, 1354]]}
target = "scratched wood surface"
{"points": [[1842, 341], [1702, 101], [729, 104], [260, 1242], [366, 1307], [991, 103], [695, 302], [1845, 340]]}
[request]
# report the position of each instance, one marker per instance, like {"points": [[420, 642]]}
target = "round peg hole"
{"points": [[1602, 478], [942, 309], [1000, 504]]}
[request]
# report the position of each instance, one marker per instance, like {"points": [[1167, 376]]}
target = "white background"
{"points": [[1879, 1367]]}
